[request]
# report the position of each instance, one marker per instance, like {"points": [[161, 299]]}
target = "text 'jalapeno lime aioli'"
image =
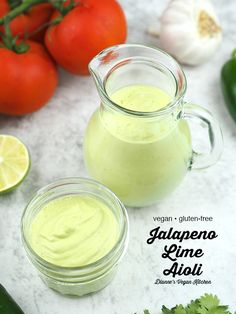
{"points": [[74, 231]]}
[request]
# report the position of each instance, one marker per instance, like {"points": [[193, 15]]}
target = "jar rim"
{"points": [[123, 236], [111, 53]]}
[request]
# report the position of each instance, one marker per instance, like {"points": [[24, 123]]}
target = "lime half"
{"points": [[14, 162]]}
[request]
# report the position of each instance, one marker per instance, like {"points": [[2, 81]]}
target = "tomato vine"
{"points": [[19, 7]]}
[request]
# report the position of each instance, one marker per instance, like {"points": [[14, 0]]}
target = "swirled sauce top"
{"points": [[73, 231]]}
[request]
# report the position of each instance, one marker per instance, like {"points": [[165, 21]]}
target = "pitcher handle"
{"points": [[202, 115]]}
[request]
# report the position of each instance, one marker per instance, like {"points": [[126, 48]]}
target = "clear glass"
{"points": [[89, 278], [143, 156]]}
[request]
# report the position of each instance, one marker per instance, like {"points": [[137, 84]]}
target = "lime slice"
{"points": [[14, 162]]}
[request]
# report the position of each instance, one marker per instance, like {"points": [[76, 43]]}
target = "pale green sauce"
{"points": [[73, 231], [142, 98], [141, 160]]}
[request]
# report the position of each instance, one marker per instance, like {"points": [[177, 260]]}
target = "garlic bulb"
{"points": [[190, 30]]}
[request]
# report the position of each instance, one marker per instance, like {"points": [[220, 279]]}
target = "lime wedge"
{"points": [[14, 162]]}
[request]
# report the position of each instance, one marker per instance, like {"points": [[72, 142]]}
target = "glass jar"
{"points": [[85, 279], [142, 156]]}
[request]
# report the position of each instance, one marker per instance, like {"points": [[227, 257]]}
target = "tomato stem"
{"points": [[68, 8], [7, 38], [50, 23], [59, 5], [14, 3], [20, 7], [10, 42], [27, 4]]}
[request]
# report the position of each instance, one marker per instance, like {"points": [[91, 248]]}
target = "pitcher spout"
{"points": [[125, 65], [101, 64]]}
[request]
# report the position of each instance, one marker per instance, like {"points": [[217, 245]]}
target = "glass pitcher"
{"points": [[143, 152]]}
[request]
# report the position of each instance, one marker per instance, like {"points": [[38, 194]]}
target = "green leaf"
{"points": [[217, 310], [207, 304], [165, 310], [202, 310], [192, 308], [179, 309], [209, 301]]}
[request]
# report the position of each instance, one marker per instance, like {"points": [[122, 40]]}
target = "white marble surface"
{"points": [[55, 135]]}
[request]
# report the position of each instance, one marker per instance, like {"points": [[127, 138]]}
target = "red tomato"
{"points": [[29, 22], [4, 7], [27, 80], [86, 30]]}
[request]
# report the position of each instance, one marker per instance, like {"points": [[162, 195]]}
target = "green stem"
{"points": [[25, 6], [50, 23], [59, 5], [14, 3], [68, 7], [10, 42], [7, 37]]}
